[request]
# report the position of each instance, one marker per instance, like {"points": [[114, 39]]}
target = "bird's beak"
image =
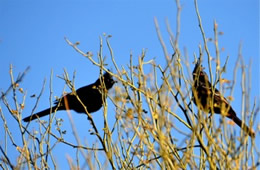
{"points": [[114, 81]]}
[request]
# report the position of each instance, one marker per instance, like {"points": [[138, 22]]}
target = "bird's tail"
{"points": [[243, 126], [40, 114]]}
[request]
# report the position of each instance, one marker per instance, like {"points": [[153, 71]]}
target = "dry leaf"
{"points": [[21, 90], [15, 112], [22, 106], [129, 113], [224, 81], [231, 122], [230, 98]]}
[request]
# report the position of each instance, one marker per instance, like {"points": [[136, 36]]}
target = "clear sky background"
{"points": [[32, 34]]}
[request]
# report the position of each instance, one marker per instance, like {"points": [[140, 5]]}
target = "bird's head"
{"points": [[199, 74], [108, 80]]}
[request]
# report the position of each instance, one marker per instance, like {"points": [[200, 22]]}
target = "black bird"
{"points": [[210, 102], [90, 96]]}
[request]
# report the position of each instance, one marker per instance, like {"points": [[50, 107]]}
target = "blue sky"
{"points": [[32, 34]]}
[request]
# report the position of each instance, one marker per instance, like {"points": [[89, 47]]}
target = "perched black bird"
{"points": [[90, 96], [210, 102]]}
